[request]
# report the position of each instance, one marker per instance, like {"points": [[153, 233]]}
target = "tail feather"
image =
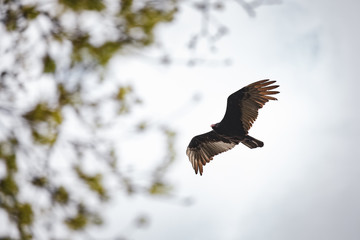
{"points": [[252, 142]]}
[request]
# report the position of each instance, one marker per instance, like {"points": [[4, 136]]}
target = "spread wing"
{"points": [[244, 104], [204, 147]]}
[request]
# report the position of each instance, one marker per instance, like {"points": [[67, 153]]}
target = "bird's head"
{"points": [[213, 126]]}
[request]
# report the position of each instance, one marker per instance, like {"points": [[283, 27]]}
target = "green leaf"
{"points": [[30, 12], [25, 214], [45, 138], [122, 93], [125, 6], [49, 64], [159, 188], [104, 52], [60, 195], [93, 181], [77, 223], [7, 153], [79, 5], [39, 181], [10, 20], [10, 161], [79, 43], [8, 186], [43, 113], [69, 97], [44, 123]]}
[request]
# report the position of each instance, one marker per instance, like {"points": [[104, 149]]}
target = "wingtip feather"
{"points": [[201, 169]]}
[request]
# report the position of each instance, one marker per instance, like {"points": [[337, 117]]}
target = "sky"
{"points": [[303, 184]]}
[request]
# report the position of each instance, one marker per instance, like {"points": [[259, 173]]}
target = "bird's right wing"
{"points": [[243, 105], [204, 147]]}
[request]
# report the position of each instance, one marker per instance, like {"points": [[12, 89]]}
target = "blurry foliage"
{"points": [[159, 188], [24, 214], [60, 195], [8, 186], [82, 218], [81, 5], [38, 34], [53, 66], [142, 221], [44, 123], [49, 64], [93, 182], [39, 181]]}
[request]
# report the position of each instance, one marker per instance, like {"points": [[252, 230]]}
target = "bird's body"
{"points": [[241, 112]]}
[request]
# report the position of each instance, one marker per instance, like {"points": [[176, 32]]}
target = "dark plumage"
{"points": [[241, 112]]}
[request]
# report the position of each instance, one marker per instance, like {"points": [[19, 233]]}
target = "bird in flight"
{"points": [[241, 112]]}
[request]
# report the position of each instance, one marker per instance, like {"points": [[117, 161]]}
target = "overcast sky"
{"points": [[304, 183]]}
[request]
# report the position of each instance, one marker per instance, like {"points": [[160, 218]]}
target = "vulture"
{"points": [[241, 112]]}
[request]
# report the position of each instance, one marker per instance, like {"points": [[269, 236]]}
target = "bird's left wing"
{"points": [[204, 147]]}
